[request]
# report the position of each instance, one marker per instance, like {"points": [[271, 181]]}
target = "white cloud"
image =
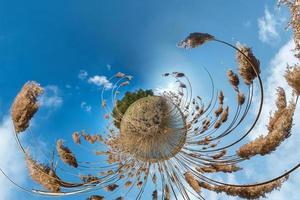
{"points": [[86, 107], [82, 74], [267, 27], [12, 161], [100, 81], [247, 23], [51, 97], [288, 152], [169, 87], [284, 57]]}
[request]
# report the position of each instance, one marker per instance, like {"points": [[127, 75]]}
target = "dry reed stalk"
{"points": [[89, 179], [154, 179], [206, 169], [25, 105], [279, 127], [281, 99], [292, 76], [121, 176], [154, 195], [43, 174], [190, 179], [205, 141], [66, 154], [241, 98], [195, 40], [103, 103], [206, 185], [95, 197], [124, 83], [251, 192], [111, 187], [219, 155], [119, 75], [245, 68], [294, 23], [219, 168], [219, 110], [233, 79], [167, 193], [224, 115], [221, 97], [91, 138], [226, 168], [76, 138], [281, 106], [139, 184], [100, 153], [128, 184]]}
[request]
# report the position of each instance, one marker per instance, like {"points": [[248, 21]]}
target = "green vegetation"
{"points": [[128, 99]]}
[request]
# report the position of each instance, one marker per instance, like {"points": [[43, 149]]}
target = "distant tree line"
{"points": [[123, 104]]}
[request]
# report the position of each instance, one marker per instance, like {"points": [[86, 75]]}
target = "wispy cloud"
{"points": [[267, 27], [84, 106], [277, 68], [100, 81], [169, 87], [286, 153], [247, 23], [51, 97], [12, 161], [108, 66], [83, 74]]}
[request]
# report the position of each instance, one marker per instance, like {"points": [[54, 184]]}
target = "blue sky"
{"points": [[53, 42]]}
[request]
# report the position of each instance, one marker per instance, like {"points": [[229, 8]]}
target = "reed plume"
{"points": [[66, 154], [249, 67], [25, 105], [43, 175], [190, 179], [292, 76]]}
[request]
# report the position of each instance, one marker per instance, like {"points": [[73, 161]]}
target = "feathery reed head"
{"points": [[66, 154], [249, 65], [195, 40], [292, 76], [43, 175], [25, 105]]}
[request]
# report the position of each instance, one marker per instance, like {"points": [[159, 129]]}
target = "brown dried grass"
{"points": [[221, 97], [224, 115], [76, 138], [225, 168], [294, 23], [89, 179], [66, 154], [195, 40], [111, 187], [280, 125], [167, 193], [219, 154], [233, 79], [154, 195], [251, 192], [128, 184], [240, 98], [292, 76], [96, 197], [245, 68], [43, 174], [25, 105], [190, 179]]}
